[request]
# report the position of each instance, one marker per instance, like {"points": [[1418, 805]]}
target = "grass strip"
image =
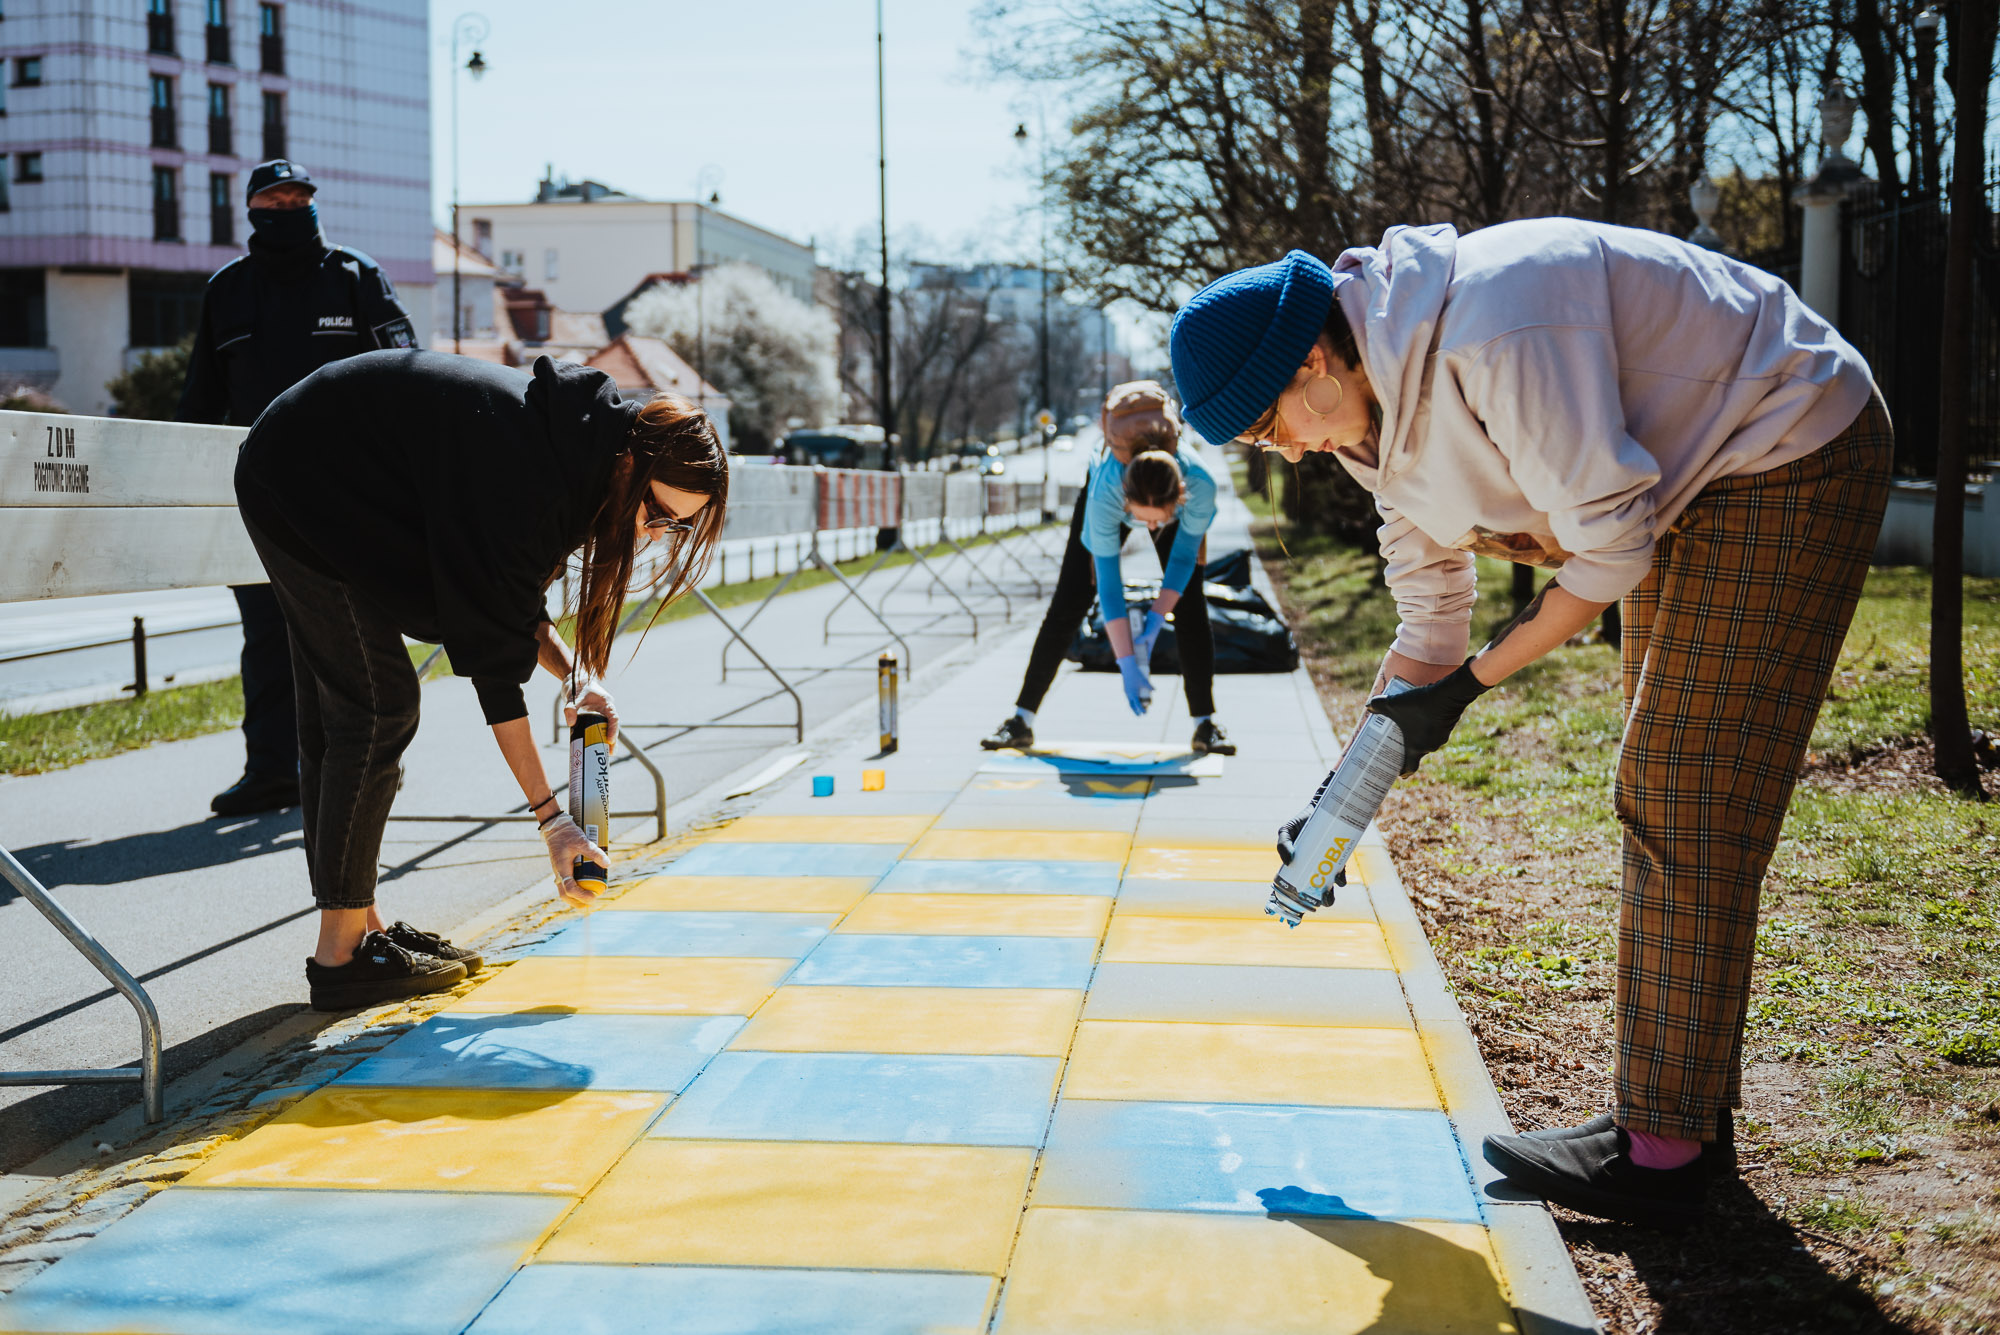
{"points": [[37, 743]]}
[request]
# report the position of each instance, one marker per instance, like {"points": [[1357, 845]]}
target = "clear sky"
{"points": [[778, 94]]}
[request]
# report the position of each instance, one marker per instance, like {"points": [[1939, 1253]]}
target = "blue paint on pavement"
{"points": [[681, 935], [249, 1261], [858, 1096], [550, 1050], [1219, 1158], [864, 960]]}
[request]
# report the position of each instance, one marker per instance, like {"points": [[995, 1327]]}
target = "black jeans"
{"points": [[357, 695], [270, 723], [1076, 585]]}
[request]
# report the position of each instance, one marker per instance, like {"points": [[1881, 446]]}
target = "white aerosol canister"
{"points": [[1354, 792], [590, 792], [885, 699]]}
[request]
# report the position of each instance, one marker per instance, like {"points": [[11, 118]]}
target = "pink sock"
{"points": [[1651, 1151]]}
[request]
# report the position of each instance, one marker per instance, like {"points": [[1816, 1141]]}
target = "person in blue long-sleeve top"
{"points": [[1144, 475]]}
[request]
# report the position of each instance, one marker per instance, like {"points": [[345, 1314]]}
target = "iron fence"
{"points": [[1891, 307]]}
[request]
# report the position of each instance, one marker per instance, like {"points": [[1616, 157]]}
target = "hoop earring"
{"points": [[1339, 396]]}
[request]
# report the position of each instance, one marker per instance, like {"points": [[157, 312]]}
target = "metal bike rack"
{"points": [[151, 1094], [817, 558], [917, 562], [658, 811]]}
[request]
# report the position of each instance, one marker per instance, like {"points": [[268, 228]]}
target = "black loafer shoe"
{"points": [[1719, 1154], [256, 792], [1594, 1174], [380, 971], [1012, 735], [1209, 739], [430, 943]]}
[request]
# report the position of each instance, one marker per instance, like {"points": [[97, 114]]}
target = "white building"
{"points": [[587, 245], [130, 128]]}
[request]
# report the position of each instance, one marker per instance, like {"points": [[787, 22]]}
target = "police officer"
{"points": [[268, 320]]}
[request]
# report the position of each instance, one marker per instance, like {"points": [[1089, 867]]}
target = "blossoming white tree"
{"points": [[771, 353]]}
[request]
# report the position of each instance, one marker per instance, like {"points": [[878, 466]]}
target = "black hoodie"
{"points": [[289, 307], [444, 490]]}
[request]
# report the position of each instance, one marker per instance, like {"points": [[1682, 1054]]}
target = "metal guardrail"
{"points": [[147, 1073]]}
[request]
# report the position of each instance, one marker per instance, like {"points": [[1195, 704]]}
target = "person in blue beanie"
{"points": [[1659, 424]]}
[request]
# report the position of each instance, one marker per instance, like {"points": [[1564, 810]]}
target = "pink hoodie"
{"points": [[1558, 391]]}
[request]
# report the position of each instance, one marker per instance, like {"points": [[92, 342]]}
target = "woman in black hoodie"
{"points": [[413, 493]]}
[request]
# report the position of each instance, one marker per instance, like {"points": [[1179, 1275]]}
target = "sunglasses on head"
{"points": [[661, 520]]}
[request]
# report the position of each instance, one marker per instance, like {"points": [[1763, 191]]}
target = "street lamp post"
{"points": [[1926, 24], [467, 29], [1042, 223], [708, 182], [885, 401]]}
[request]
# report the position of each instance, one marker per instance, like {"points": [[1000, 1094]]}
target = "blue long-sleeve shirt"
{"points": [[1104, 515]]}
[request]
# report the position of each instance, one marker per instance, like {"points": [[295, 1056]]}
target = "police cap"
{"points": [[277, 171]]}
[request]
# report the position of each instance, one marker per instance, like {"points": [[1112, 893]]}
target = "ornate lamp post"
{"points": [[467, 29]]}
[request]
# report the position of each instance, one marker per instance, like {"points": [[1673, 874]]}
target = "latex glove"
{"points": [[592, 698], [1289, 832], [1427, 714], [1138, 687], [566, 844], [1149, 635]]}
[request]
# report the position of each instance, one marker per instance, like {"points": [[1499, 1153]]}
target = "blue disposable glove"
{"points": [[1149, 635], [1138, 687]]}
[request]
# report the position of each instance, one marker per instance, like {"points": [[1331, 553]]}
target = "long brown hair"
{"points": [[672, 441]]}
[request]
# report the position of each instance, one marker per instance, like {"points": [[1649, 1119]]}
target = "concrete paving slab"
{"points": [[1224, 1125]]}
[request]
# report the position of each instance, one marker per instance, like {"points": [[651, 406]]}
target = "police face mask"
{"points": [[285, 229]]}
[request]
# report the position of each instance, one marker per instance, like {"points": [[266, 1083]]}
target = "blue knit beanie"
{"points": [[1242, 338]]}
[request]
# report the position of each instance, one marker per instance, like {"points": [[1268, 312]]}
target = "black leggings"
{"points": [[357, 706], [1076, 585]]}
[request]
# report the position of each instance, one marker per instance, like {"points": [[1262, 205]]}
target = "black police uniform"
{"points": [[268, 320]]}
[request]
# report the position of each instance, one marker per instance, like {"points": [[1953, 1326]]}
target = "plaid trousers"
{"points": [[1728, 648]]}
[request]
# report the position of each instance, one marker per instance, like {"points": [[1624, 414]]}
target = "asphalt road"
{"points": [[215, 917]]}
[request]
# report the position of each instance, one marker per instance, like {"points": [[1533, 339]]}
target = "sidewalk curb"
{"points": [[1535, 1264]]}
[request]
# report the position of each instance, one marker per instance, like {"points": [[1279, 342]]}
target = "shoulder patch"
{"points": [[350, 253]]}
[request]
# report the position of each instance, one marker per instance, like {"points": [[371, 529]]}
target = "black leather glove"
{"points": [[1427, 714]]}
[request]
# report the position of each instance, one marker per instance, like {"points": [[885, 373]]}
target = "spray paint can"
{"points": [[1354, 792], [885, 699], [590, 792]]}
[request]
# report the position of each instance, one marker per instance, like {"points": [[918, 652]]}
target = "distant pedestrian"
{"points": [[1667, 426], [1143, 473], [268, 320], [436, 497]]}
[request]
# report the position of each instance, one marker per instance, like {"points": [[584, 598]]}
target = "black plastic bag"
{"points": [[1249, 634]]}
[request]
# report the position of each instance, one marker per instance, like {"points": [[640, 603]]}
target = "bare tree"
{"points": [[1972, 39]]}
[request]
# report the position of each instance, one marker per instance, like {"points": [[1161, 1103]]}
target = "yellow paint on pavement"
{"points": [[436, 1139], [628, 986], [863, 1207], [1329, 945], [1079, 1272], [1249, 1063]]}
